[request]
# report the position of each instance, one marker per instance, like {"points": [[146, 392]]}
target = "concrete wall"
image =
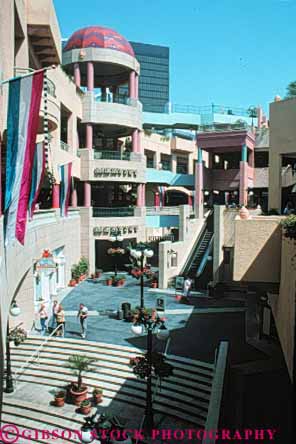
{"points": [[257, 249], [283, 305], [188, 233], [282, 141]]}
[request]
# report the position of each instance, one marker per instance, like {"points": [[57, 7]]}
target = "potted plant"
{"points": [[75, 273], [98, 395], [59, 398], [85, 407], [79, 364], [17, 335], [83, 266]]}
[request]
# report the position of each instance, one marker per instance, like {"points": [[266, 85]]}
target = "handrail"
{"points": [[205, 258], [36, 353], [215, 403]]}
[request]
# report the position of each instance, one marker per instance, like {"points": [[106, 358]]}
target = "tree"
{"points": [[291, 89], [80, 364]]}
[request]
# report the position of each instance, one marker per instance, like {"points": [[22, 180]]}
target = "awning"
{"points": [[181, 190]]}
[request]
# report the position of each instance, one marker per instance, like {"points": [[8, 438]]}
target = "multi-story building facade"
{"points": [[124, 178]]}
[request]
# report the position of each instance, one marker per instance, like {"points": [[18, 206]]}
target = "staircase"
{"points": [[194, 267], [185, 396]]}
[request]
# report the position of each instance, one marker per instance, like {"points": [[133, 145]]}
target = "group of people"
{"points": [[57, 321]]}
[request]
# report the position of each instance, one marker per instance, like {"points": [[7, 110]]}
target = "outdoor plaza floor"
{"points": [[195, 329]]}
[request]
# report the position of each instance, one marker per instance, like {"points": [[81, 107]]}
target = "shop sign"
{"points": [[109, 231], [115, 172]]}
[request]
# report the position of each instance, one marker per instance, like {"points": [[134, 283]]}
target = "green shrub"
{"points": [[289, 226]]}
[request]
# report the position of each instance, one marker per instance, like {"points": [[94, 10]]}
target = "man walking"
{"points": [[82, 315]]}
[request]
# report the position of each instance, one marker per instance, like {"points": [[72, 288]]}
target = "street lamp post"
{"points": [[14, 311], [150, 323], [139, 253]]}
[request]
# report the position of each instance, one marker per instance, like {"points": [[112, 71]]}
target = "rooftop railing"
{"points": [[214, 109], [113, 212], [111, 155], [111, 98]]}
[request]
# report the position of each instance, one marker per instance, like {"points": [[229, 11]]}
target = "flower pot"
{"points": [[98, 398], [78, 397], [244, 213], [59, 401], [85, 410], [109, 282], [72, 283], [178, 297]]}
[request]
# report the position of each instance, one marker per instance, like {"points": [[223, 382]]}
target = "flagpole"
{"points": [[27, 75]]}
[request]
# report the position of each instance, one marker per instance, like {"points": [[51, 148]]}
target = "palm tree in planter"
{"points": [[79, 364]]}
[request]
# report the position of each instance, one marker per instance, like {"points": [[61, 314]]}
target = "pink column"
{"points": [[156, 200], [139, 141], [137, 87], [87, 194], [198, 197], [243, 183], [189, 200], [89, 136], [135, 141], [56, 195], [74, 198], [77, 77], [90, 76], [141, 195], [132, 84]]}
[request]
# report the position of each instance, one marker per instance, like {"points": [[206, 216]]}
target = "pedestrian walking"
{"points": [[60, 317], [187, 286], [43, 316], [54, 311], [82, 316]]}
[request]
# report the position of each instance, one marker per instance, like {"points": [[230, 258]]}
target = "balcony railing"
{"points": [[117, 98], [166, 165], [64, 146], [182, 169], [113, 212], [51, 89], [150, 163], [112, 155]]}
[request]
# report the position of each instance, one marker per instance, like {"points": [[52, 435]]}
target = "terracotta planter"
{"points": [[85, 410], [98, 398], [78, 397], [109, 282], [72, 283], [178, 297], [244, 213], [59, 402]]}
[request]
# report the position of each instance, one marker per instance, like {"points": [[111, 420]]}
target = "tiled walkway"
{"points": [[196, 329]]}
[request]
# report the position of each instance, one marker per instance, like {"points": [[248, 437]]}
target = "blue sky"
{"points": [[227, 52]]}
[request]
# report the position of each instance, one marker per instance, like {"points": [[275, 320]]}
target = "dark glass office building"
{"points": [[154, 91]]}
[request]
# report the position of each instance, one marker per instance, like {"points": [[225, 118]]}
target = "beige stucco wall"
{"points": [[282, 141], [257, 249], [283, 305]]}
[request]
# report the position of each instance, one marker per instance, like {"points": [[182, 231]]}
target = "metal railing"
{"points": [[113, 212], [111, 98], [112, 155], [168, 211], [182, 169], [35, 356], [223, 127], [51, 89], [214, 109], [64, 146], [166, 165], [216, 398]]}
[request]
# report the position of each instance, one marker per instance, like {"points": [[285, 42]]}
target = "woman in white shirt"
{"points": [[43, 316]]}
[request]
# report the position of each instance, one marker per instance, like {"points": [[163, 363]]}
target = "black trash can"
{"points": [[126, 308]]}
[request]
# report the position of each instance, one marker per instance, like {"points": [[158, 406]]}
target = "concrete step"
{"points": [[108, 373], [124, 398], [188, 366], [176, 402], [169, 391], [117, 350]]}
